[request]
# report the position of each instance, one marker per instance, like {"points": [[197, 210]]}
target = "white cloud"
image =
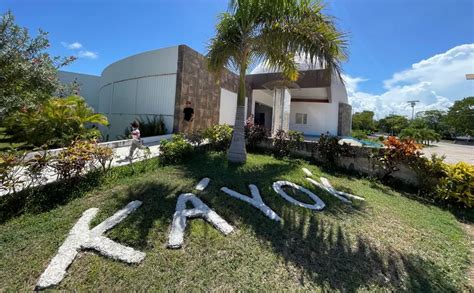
{"points": [[436, 82], [71, 46], [82, 53], [87, 54]]}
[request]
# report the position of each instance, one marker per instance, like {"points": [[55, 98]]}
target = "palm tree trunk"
{"points": [[237, 152]]}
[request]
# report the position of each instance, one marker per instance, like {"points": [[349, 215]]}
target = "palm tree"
{"points": [[274, 31]]}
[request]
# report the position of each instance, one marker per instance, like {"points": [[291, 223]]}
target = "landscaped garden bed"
{"points": [[389, 242]]}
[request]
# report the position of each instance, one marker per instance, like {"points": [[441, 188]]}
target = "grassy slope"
{"points": [[389, 243]]}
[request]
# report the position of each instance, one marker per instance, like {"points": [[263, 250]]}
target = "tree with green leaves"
{"points": [[420, 135], [28, 74], [274, 31], [434, 119], [461, 116], [363, 121], [393, 124]]}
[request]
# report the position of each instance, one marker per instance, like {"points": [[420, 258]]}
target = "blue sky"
{"points": [[398, 49]]}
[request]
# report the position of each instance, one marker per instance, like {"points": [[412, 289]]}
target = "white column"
{"points": [[281, 109]]}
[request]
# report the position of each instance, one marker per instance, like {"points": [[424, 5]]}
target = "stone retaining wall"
{"points": [[361, 161]]}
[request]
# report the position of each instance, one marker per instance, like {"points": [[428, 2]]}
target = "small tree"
{"points": [[461, 116], [363, 121], [393, 124], [28, 74]]}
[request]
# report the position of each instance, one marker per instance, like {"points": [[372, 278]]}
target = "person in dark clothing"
{"points": [[188, 118]]}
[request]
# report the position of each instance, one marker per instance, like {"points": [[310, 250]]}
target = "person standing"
{"points": [[188, 118]]}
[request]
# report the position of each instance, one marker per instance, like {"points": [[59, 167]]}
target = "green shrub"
{"points": [[284, 142], [36, 166], [359, 134], [329, 149], [103, 156], [73, 161], [255, 134], [195, 138], [429, 172], [296, 139], [56, 123], [175, 150], [281, 144], [218, 136], [11, 162], [148, 127], [458, 185]]}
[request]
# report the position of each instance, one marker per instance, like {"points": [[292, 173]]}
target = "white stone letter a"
{"points": [[81, 237], [200, 209]]}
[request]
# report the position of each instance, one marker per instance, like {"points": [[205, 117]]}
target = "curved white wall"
{"points": [[142, 85], [88, 86]]}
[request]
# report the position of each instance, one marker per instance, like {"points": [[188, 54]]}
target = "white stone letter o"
{"points": [[278, 187]]}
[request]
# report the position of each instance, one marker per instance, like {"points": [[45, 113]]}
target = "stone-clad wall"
{"points": [[196, 84], [344, 121]]}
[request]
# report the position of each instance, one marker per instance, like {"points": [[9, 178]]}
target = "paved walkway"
{"points": [[120, 154], [454, 152]]}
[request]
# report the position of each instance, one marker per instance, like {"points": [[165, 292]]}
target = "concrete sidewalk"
{"points": [[119, 159]]}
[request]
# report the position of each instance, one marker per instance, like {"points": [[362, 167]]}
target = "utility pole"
{"points": [[412, 104]]}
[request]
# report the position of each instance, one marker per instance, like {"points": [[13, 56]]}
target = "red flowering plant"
{"points": [[397, 151]]}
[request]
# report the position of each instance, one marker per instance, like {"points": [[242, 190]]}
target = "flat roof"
{"points": [[307, 79]]}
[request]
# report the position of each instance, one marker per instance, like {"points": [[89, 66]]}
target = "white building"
{"points": [[159, 82]]}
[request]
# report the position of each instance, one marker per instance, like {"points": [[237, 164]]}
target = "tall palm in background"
{"points": [[274, 31]]}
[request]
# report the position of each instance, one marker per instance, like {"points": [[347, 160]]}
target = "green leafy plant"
{"points": [[281, 144], [285, 142], [149, 127], [36, 166], [458, 185], [218, 136], [103, 156], [254, 134], [11, 163], [429, 172], [56, 123], [329, 149], [195, 138], [359, 134], [175, 150], [73, 161], [296, 139]]}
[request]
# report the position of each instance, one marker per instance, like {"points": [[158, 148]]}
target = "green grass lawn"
{"points": [[388, 243]]}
